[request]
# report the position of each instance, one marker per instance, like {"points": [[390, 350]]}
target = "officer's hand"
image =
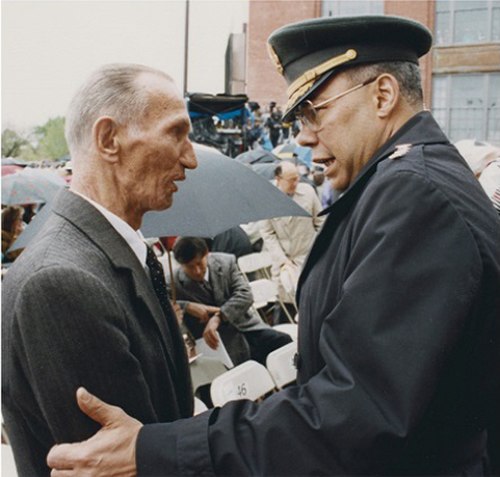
{"points": [[111, 451]]}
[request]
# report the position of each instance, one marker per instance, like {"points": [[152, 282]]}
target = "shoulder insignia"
{"points": [[401, 150]]}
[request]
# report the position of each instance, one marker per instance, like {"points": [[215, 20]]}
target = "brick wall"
{"points": [[264, 83], [423, 12]]}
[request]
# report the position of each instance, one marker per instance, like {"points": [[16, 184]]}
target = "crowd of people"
{"points": [[395, 284], [266, 129]]}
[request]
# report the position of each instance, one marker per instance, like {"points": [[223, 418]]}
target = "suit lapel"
{"points": [[92, 223]]}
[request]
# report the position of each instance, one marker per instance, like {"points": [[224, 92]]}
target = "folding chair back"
{"points": [[280, 365], [255, 262], [260, 264], [264, 291], [291, 329], [249, 380]]}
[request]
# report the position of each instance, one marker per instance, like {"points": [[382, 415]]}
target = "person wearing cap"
{"points": [[399, 330]]}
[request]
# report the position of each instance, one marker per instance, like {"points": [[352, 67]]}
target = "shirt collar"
{"points": [[134, 238]]}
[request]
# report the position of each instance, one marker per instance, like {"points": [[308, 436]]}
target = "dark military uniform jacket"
{"points": [[399, 336]]}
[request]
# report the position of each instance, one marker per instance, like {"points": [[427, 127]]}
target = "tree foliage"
{"points": [[51, 141], [45, 142], [12, 143]]}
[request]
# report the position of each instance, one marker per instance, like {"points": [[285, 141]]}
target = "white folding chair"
{"points": [[256, 262], [199, 406], [8, 463], [280, 365], [264, 291], [260, 263], [249, 380], [291, 329]]}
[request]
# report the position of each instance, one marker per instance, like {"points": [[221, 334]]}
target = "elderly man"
{"points": [[78, 305], [289, 239], [399, 333]]}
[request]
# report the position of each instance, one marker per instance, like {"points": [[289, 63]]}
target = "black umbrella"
{"points": [[219, 194], [257, 156]]}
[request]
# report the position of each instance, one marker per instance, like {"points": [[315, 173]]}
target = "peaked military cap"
{"points": [[310, 52]]}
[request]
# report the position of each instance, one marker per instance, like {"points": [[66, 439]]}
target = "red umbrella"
{"points": [[10, 169]]}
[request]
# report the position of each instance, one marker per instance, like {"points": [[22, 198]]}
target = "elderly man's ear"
{"points": [[105, 133], [386, 96]]}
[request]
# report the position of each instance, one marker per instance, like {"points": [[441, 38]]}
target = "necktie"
{"points": [[160, 288], [206, 286], [158, 280]]}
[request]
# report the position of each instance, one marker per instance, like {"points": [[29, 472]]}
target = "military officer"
{"points": [[399, 334]]}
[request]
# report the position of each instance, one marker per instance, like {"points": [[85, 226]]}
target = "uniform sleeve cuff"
{"points": [[178, 448]]}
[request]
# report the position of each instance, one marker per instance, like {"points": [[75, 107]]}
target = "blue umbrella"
{"points": [[257, 156], [291, 151], [30, 186]]}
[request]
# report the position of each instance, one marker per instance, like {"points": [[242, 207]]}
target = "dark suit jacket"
{"points": [[78, 309], [399, 336]]}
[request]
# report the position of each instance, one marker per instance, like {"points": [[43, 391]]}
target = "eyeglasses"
{"points": [[307, 112]]}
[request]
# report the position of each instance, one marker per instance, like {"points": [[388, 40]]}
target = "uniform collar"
{"points": [[419, 129]]}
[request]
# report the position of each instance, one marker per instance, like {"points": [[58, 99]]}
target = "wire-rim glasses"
{"points": [[307, 112]]}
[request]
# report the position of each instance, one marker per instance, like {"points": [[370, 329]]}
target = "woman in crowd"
{"points": [[12, 226]]}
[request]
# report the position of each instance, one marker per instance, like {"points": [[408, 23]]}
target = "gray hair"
{"points": [[112, 90], [407, 75]]}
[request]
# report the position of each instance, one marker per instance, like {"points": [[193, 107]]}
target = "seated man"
{"points": [[215, 297]]}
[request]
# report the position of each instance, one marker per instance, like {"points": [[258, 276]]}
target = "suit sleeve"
{"points": [[71, 332], [408, 288]]}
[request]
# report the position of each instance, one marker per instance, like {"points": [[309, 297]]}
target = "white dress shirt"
{"points": [[134, 238]]}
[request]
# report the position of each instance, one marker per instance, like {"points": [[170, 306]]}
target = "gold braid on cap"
{"points": [[305, 82], [275, 58]]}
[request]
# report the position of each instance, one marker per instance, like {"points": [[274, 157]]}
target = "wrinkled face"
{"points": [[196, 268], [288, 180], [156, 151], [348, 136]]}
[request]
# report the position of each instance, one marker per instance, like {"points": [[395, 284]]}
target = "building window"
{"points": [[467, 21], [468, 106], [334, 8]]}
